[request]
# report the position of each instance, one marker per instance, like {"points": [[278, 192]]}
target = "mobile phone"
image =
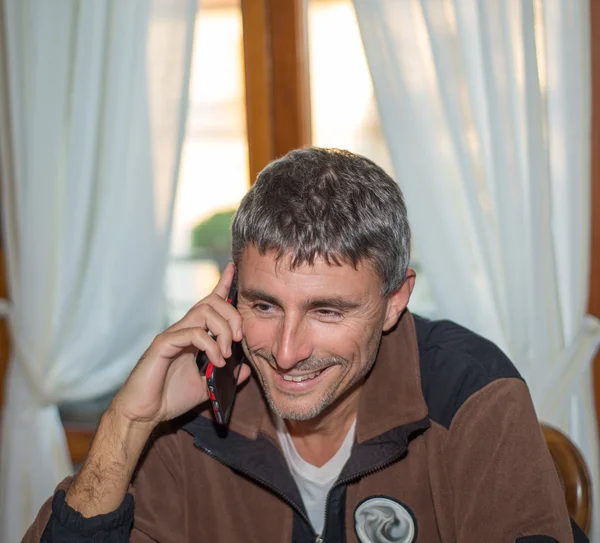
{"points": [[222, 382]]}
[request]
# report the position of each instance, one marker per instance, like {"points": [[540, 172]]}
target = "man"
{"points": [[361, 422]]}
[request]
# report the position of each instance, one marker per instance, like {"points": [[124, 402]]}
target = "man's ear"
{"points": [[398, 300]]}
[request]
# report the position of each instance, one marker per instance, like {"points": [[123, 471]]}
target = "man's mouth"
{"points": [[300, 378], [301, 383]]}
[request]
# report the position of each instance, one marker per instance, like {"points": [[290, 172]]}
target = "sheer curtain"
{"points": [[92, 108], [485, 108]]}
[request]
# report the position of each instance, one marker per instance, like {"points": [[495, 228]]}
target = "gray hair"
{"points": [[331, 204]]}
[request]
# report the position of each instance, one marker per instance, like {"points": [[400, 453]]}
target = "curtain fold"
{"points": [[93, 98], [485, 107]]}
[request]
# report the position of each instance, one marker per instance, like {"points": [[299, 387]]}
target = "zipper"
{"points": [[318, 538], [269, 487], [360, 474]]}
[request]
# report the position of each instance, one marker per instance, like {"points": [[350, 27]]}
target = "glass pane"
{"points": [[214, 169], [344, 111]]}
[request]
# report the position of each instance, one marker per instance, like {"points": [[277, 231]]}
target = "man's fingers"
{"points": [[223, 321], [224, 284], [218, 326], [215, 315], [169, 345]]}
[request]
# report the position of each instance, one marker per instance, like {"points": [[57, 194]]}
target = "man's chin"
{"points": [[304, 400], [309, 404], [299, 406], [295, 412], [295, 406]]}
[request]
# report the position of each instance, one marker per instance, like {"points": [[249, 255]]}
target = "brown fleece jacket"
{"points": [[448, 449]]}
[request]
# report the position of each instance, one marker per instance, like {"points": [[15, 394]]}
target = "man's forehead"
{"points": [[278, 262], [256, 266]]}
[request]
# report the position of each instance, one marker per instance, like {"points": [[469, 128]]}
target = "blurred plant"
{"points": [[212, 237]]}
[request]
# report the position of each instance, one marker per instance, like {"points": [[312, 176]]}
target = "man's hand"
{"points": [[164, 384]]}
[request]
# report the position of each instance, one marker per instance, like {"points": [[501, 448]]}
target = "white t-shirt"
{"points": [[314, 483]]}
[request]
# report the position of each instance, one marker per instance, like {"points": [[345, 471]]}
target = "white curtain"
{"points": [[485, 107], [92, 109]]}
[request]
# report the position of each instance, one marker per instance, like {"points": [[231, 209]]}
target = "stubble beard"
{"points": [[312, 364]]}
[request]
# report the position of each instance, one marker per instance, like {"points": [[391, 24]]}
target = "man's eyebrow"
{"points": [[335, 302], [253, 294]]}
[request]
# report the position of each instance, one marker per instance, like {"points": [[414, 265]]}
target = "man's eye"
{"points": [[263, 308], [328, 313]]}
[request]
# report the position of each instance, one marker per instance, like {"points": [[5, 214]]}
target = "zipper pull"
{"points": [[319, 539]]}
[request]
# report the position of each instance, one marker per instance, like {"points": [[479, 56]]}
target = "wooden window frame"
{"points": [[277, 79]]}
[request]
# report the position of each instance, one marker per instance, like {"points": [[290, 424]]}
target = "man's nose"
{"points": [[292, 344]]}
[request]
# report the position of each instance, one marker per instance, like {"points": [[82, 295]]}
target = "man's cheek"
{"points": [[258, 334], [345, 337], [250, 323]]}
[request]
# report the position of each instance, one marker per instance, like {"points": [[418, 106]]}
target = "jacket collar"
{"points": [[391, 396], [391, 410]]}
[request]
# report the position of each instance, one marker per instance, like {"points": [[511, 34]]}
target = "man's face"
{"points": [[311, 333]]}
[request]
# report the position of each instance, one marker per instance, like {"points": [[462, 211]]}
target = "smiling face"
{"points": [[311, 333]]}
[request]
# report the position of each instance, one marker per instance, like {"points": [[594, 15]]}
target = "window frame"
{"points": [[277, 79]]}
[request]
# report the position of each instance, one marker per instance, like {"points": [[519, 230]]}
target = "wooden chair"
{"points": [[573, 474]]}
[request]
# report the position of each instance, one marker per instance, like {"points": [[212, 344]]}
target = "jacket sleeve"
{"points": [[56, 521], [503, 478], [144, 516]]}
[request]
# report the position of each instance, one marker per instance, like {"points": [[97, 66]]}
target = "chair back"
{"points": [[573, 474]]}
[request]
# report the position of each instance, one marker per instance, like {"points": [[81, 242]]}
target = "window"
{"points": [[214, 167]]}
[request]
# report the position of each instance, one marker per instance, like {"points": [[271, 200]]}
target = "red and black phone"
{"points": [[222, 382]]}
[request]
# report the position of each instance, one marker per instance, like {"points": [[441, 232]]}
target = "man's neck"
{"points": [[317, 440]]}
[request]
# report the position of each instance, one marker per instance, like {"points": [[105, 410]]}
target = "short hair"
{"points": [[327, 203]]}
